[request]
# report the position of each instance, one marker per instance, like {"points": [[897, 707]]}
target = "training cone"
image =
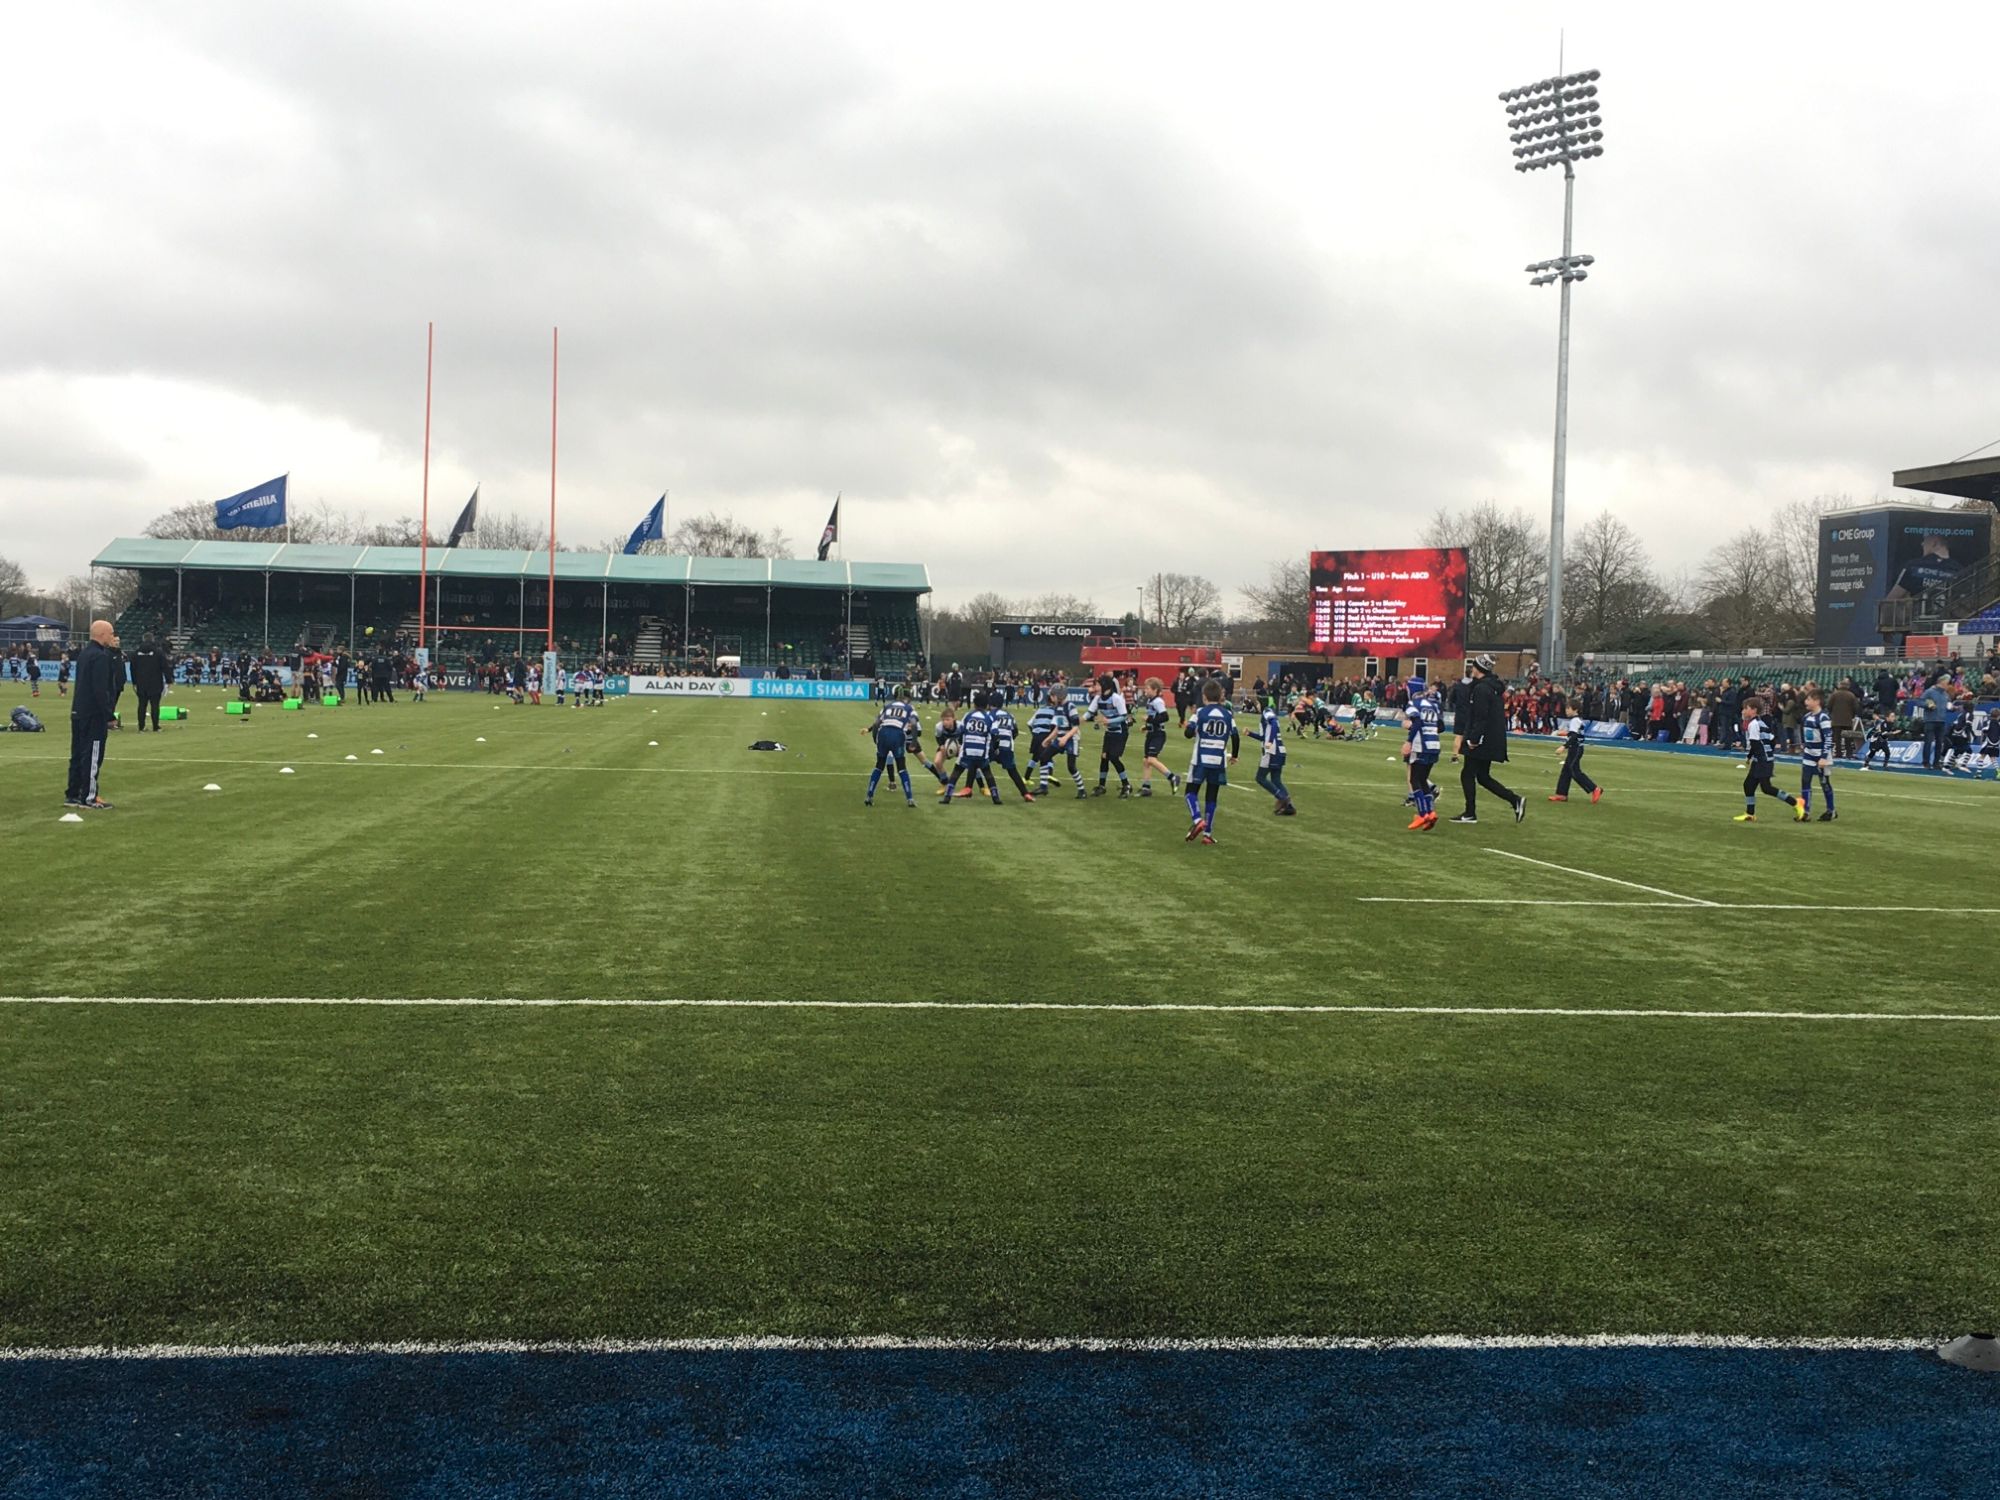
{"points": [[211, 787], [654, 743], [70, 818], [354, 757], [480, 740], [284, 770], [312, 736], [1976, 1351], [374, 752]]}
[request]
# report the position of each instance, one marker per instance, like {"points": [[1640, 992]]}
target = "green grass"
{"points": [[205, 1174]]}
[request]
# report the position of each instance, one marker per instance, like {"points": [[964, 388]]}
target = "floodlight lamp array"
{"points": [[1555, 121]]}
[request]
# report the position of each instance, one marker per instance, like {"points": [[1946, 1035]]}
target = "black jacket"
{"points": [[149, 671], [1484, 724], [93, 684], [1461, 695]]}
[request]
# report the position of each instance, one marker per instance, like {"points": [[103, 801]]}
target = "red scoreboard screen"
{"points": [[1403, 601]]}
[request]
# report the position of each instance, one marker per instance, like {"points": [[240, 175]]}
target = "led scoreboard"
{"points": [[1405, 601]]}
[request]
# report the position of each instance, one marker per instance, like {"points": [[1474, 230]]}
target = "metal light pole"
{"points": [[1556, 121]]}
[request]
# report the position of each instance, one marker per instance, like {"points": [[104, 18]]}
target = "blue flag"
{"points": [[652, 529], [261, 505]]}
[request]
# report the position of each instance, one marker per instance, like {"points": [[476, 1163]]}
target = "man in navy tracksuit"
{"points": [[90, 718]]}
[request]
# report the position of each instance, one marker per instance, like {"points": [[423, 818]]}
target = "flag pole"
{"points": [[555, 364], [424, 524]]}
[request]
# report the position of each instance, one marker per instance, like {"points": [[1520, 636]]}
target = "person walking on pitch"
{"points": [[1156, 739], [1573, 771], [1421, 747], [1817, 746], [1481, 733], [1271, 759], [1216, 746], [1760, 746]]}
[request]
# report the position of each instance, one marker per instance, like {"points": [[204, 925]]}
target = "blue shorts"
{"points": [[1208, 776], [889, 741]]}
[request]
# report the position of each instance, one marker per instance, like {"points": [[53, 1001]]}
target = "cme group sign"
{"points": [[1054, 630]]}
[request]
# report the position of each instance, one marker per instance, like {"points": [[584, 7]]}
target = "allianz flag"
{"points": [[262, 505], [832, 533], [652, 529], [468, 519]]}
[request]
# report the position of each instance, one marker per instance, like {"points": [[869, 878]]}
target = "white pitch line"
{"points": [[1651, 890], [1078, 1344], [1950, 911], [1081, 1006]]}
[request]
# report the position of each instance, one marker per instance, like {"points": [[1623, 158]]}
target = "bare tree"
{"points": [[507, 531], [1278, 606], [1608, 582], [1059, 607], [1507, 560], [14, 591], [1742, 592], [1793, 530], [1177, 603], [313, 522], [711, 535]]}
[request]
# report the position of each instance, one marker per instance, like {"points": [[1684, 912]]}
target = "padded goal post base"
{"points": [[292, 703], [237, 708], [329, 700]]}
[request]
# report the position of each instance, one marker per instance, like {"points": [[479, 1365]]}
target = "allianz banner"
{"points": [[689, 687]]}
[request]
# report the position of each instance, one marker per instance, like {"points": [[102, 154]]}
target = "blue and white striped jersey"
{"points": [[975, 735], [1110, 710], [1212, 728], [1270, 730], [1575, 731], [899, 716], [1156, 716], [1757, 742], [1422, 720], [1004, 730], [1816, 736], [1050, 718]]}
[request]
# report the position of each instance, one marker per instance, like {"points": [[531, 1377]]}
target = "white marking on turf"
{"points": [[1651, 890], [1084, 1344], [1952, 911], [1173, 1006]]}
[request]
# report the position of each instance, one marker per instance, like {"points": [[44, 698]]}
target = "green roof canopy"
{"points": [[480, 562]]}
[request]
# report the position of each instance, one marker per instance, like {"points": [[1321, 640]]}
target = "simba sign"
{"points": [[690, 687]]}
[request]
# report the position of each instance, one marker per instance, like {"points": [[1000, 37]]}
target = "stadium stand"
{"points": [[652, 613]]}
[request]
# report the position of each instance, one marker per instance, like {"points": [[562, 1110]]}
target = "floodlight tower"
{"points": [[1557, 120]]}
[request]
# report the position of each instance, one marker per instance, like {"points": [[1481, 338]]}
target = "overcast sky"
{"points": [[1057, 295]]}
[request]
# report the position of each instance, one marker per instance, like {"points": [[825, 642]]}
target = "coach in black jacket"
{"points": [[90, 717], [149, 681], [1482, 740]]}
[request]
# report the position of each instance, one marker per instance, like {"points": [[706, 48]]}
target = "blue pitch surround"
{"points": [[1534, 1422]]}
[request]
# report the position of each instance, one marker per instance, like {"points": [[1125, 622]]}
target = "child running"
{"points": [[1573, 771], [1761, 752], [1421, 723], [1216, 746], [1271, 759], [1156, 739]]}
